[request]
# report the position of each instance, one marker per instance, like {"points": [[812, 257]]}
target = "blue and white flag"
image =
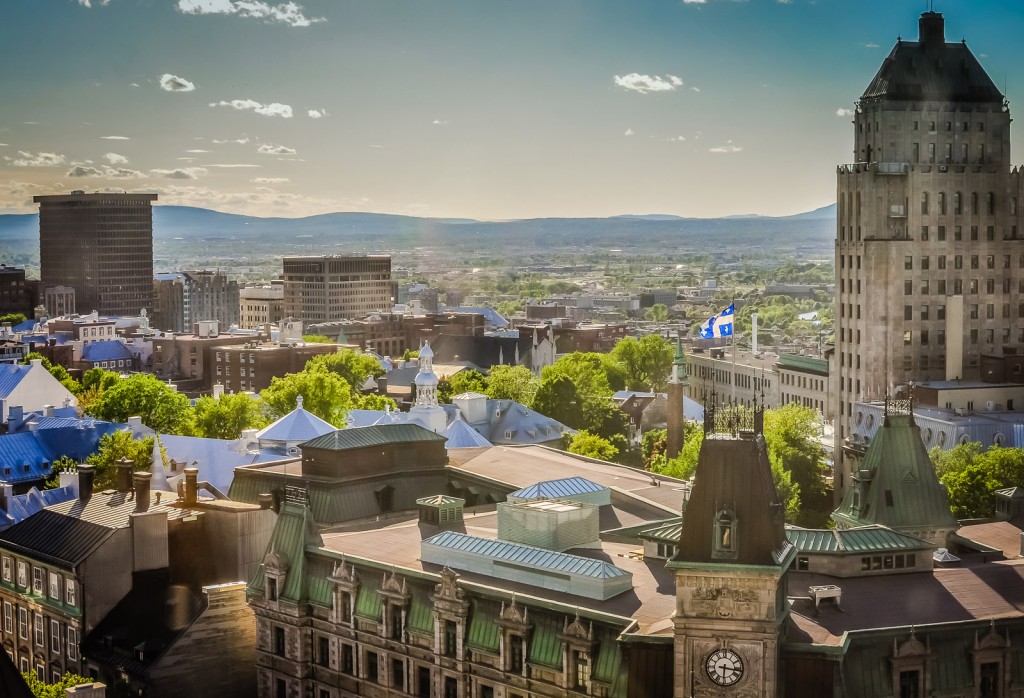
{"points": [[720, 325]]}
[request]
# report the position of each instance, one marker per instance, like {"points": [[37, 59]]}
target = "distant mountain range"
{"points": [[810, 232]]}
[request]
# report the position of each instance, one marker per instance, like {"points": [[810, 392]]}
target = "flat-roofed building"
{"points": [[101, 245], [337, 287]]}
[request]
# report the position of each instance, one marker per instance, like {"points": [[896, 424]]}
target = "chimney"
{"points": [[87, 690], [218, 390], [15, 418], [142, 482], [191, 486], [266, 501], [753, 334], [933, 30], [86, 474], [48, 410], [124, 475]]}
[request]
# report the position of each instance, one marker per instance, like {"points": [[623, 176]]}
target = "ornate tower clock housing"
{"points": [[733, 555]]}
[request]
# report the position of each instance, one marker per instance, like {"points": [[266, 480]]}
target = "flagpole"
{"points": [[732, 382]]}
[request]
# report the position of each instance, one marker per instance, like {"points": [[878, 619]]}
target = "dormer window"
{"points": [[725, 546]]}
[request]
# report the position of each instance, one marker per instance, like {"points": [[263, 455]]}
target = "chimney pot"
{"points": [[266, 500], [142, 484], [86, 475], [124, 475]]}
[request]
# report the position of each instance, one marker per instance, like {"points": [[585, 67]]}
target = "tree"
{"points": [[657, 312], [468, 381], [591, 373], [647, 361], [791, 433], [652, 446], [316, 339], [373, 401], [161, 408], [225, 417], [971, 491], [41, 689], [324, 393], [512, 383], [115, 446], [557, 397], [684, 465], [603, 418], [354, 367], [13, 318], [583, 443], [972, 476]]}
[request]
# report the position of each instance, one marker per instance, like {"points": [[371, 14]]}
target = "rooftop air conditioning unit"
{"points": [[961, 412]]}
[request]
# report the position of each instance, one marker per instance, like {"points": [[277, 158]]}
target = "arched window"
{"points": [[725, 545]]}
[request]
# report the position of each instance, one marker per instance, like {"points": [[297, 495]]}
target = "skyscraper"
{"points": [[928, 254], [337, 287], [101, 245]]}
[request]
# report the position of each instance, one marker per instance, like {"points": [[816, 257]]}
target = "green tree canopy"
{"points": [[324, 393], [584, 443], [373, 401], [161, 408], [13, 318], [41, 689], [225, 417], [512, 383], [353, 366], [557, 397], [114, 447], [972, 476], [647, 362], [792, 434], [467, 381], [657, 313], [595, 375], [317, 339]]}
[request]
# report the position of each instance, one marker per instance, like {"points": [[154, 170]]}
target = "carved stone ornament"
{"points": [[513, 614], [724, 602], [394, 585], [912, 647], [276, 562], [992, 639], [343, 572], [449, 587], [576, 629]]}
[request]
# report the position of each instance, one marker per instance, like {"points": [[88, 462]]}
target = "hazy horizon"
{"points": [[457, 108]]}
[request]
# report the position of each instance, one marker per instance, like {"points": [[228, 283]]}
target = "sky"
{"points": [[488, 109]]}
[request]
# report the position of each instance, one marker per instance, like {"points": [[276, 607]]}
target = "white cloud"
{"points": [[317, 113], [286, 13], [88, 3], [105, 173], [844, 112], [695, 89], [3, 145], [676, 139], [115, 159], [439, 122], [173, 83], [197, 150], [241, 141], [647, 83], [629, 132], [181, 173], [233, 166], [271, 180], [871, 45], [38, 159], [271, 109], [267, 149], [115, 138], [134, 84], [727, 148]]}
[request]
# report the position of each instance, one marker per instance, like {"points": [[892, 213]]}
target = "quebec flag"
{"points": [[720, 325]]}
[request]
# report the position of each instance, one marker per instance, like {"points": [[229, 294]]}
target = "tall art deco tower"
{"points": [[929, 252]]}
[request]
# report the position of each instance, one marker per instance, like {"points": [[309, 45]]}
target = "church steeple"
{"points": [[676, 417]]}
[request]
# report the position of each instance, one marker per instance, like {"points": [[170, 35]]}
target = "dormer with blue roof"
{"points": [[109, 353]]}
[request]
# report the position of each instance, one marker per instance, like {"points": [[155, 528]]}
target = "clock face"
{"points": [[724, 667]]}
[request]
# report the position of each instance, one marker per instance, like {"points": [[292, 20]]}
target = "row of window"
{"points": [[924, 263], [957, 286], [60, 589], [36, 634]]}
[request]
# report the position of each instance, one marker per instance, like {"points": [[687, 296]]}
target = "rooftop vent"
{"points": [[441, 509]]}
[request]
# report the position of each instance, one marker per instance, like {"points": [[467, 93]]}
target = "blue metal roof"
{"points": [[39, 449], [553, 489], [26, 326], [461, 435], [106, 350], [296, 426], [10, 376], [22, 506], [527, 555]]}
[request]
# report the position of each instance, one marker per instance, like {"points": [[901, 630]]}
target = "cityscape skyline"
{"points": [[489, 111]]}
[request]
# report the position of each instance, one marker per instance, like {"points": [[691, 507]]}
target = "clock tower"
{"points": [[730, 567]]}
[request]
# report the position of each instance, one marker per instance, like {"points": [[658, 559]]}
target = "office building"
{"points": [[929, 254], [261, 305], [183, 298], [337, 287], [101, 245]]}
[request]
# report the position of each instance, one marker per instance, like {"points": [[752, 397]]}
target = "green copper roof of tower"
{"points": [[896, 485]]}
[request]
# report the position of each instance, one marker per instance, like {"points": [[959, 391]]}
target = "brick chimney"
{"points": [[142, 483], [191, 486], [124, 475]]}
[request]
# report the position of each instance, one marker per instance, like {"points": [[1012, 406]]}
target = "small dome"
{"points": [[426, 352], [425, 379]]}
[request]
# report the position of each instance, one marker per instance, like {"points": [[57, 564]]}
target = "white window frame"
{"points": [[69, 592], [54, 635], [72, 643], [24, 665], [38, 580], [8, 571], [54, 586], [39, 629], [8, 618], [23, 623], [22, 574]]}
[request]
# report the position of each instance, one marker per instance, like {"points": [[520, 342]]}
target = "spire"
{"points": [[679, 363], [298, 402]]}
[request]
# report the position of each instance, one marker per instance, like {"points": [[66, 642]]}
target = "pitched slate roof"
{"points": [[51, 537], [932, 70], [361, 437], [106, 350], [297, 426], [896, 485]]}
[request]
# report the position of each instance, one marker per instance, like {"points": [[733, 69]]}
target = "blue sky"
{"points": [[478, 108]]}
